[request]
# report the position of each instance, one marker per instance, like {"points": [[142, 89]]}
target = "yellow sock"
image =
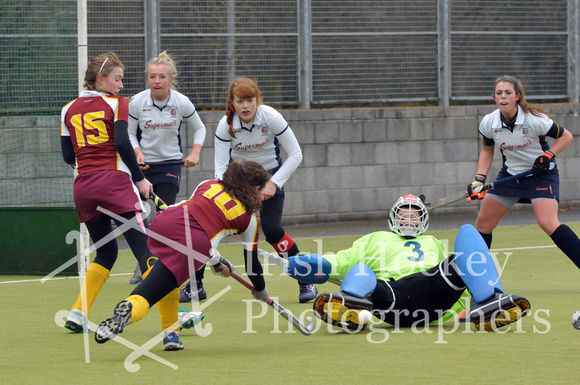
{"points": [[94, 281], [140, 308], [168, 307]]}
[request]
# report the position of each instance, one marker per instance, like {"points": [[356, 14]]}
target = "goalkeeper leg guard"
{"points": [[500, 310], [475, 264], [341, 309]]}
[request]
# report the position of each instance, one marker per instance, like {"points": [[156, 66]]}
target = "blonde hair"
{"points": [[165, 59], [101, 65]]}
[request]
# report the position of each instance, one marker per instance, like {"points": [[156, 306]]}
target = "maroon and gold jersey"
{"points": [[89, 121], [220, 214]]}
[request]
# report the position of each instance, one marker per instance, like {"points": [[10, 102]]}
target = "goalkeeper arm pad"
{"points": [[309, 268]]}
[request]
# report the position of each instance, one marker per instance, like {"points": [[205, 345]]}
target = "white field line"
{"points": [[75, 277], [237, 267]]}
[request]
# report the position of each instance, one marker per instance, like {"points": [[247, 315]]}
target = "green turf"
{"points": [[538, 350]]}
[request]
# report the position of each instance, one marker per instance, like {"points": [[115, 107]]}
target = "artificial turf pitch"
{"points": [[240, 342]]}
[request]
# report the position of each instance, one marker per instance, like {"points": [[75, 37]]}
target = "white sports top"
{"points": [[524, 144], [160, 125], [259, 142]]}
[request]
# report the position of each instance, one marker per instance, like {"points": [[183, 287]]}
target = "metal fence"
{"points": [[305, 53]]}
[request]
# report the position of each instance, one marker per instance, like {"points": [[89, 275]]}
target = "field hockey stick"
{"points": [[304, 329], [455, 198], [278, 260], [163, 163], [158, 201]]}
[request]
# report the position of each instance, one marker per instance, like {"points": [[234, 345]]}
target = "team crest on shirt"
{"points": [[173, 111], [264, 129], [525, 131]]}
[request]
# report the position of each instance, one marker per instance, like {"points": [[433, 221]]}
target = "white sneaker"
{"points": [[188, 319], [77, 322]]}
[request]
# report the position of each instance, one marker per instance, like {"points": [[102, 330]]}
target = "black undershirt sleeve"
{"points": [[254, 269], [125, 149], [67, 148]]}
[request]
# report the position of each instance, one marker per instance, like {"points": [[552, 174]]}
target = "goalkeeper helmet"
{"points": [[409, 216]]}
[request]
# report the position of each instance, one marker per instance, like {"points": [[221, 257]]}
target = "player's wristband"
{"points": [[480, 178], [549, 154]]}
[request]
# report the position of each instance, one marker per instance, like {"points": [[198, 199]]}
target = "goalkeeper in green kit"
{"points": [[406, 278]]}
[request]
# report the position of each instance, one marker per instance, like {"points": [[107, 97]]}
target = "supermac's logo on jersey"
{"points": [[264, 129], [525, 131]]}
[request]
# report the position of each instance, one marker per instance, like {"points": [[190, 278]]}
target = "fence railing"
{"points": [[305, 53]]}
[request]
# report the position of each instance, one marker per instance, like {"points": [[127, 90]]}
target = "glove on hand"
{"points": [[223, 267], [261, 295], [542, 164], [478, 181]]}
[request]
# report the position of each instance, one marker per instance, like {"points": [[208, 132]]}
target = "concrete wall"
{"points": [[357, 162]]}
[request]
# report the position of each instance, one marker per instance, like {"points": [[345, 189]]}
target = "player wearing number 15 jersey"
{"points": [[94, 139]]}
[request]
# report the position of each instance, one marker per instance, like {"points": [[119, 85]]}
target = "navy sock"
{"points": [[487, 238], [568, 242]]}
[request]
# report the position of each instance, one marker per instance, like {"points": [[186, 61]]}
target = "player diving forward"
{"points": [[406, 279]]}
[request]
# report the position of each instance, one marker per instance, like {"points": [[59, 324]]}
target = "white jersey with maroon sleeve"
{"points": [[524, 144], [160, 126], [260, 142]]}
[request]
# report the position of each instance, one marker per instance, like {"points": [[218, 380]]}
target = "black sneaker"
{"points": [[114, 325], [186, 295]]}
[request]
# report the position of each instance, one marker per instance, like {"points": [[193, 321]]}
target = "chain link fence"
{"points": [[305, 53]]}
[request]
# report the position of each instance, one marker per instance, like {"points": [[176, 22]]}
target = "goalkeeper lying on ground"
{"points": [[406, 279]]}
